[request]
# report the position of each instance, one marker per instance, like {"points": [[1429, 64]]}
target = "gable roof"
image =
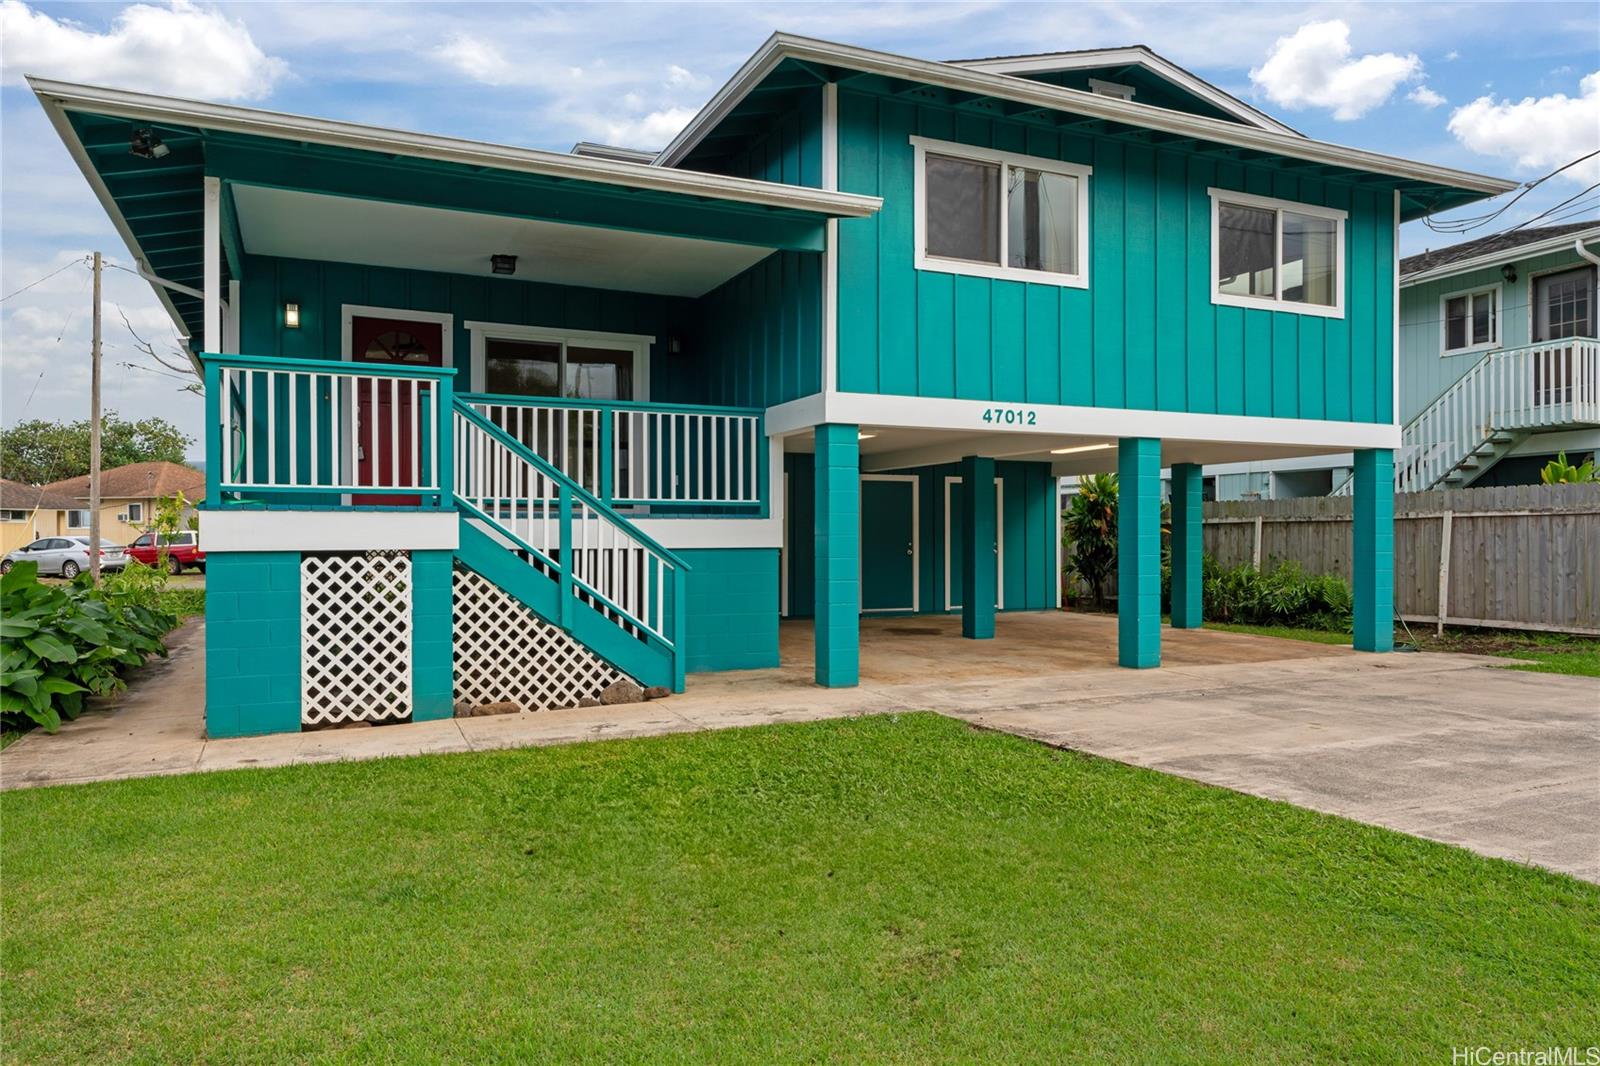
{"points": [[1512, 244], [1134, 55], [15, 496], [137, 481]]}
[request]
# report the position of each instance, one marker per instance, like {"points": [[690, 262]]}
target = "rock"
{"points": [[622, 690], [587, 701], [466, 710], [657, 692]]}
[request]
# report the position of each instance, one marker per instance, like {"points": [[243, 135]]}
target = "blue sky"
{"points": [[1508, 89]]}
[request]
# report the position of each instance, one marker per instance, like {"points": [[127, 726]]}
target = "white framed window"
{"points": [[995, 214], [1469, 320], [13, 516], [516, 360], [135, 512], [77, 519], [1276, 254]]}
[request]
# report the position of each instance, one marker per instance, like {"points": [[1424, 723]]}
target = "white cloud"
{"points": [[1540, 133], [181, 49], [1425, 96], [1312, 67], [650, 131]]}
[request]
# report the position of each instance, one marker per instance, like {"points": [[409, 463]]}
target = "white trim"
{"points": [[300, 128], [916, 546], [1504, 255], [211, 257], [783, 556], [830, 243], [637, 343], [231, 319], [312, 531], [1275, 302], [781, 46], [999, 542], [795, 415], [1498, 288], [1567, 268], [348, 312], [1055, 504], [921, 146], [713, 532]]}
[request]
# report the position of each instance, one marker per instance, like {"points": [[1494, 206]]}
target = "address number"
{"points": [[1010, 416]]}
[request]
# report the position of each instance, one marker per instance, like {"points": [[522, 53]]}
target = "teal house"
{"points": [[487, 423]]}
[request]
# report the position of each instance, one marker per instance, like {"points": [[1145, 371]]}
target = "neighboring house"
{"points": [[489, 423], [1499, 369], [28, 512], [128, 497]]}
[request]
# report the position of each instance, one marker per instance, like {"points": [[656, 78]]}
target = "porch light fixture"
{"points": [[1081, 448], [1509, 272], [503, 264], [291, 316], [146, 145]]}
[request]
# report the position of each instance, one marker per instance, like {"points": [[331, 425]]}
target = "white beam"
{"points": [[211, 334]]}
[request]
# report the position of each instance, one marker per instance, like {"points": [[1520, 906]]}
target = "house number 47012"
{"points": [[1010, 416]]}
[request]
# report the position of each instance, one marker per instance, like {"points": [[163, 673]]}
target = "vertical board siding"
{"points": [[757, 339], [1144, 334]]}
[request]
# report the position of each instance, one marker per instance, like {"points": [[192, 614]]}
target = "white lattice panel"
{"points": [[355, 637], [504, 652]]}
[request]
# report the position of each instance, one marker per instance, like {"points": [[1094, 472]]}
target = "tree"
{"points": [[38, 452], [1089, 530]]}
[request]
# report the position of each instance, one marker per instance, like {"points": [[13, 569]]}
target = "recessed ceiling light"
{"points": [[1081, 448]]}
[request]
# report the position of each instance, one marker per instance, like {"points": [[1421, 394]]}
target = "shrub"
{"points": [[1284, 595], [59, 643], [1089, 532]]}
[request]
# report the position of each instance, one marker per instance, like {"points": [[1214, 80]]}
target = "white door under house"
{"points": [[955, 502]]}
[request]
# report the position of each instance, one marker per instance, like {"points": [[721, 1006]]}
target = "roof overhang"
{"points": [[780, 47], [1504, 255]]}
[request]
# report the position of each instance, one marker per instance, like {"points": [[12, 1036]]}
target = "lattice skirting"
{"points": [[506, 653], [356, 637]]}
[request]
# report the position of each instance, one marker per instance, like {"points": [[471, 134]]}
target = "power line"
{"points": [[41, 281], [1472, 222]]}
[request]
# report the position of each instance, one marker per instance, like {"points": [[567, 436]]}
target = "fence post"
{"points": [[1255, 551], [1444, 570]]}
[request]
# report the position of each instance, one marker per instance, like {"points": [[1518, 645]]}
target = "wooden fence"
{"points": [[1518, 557]]}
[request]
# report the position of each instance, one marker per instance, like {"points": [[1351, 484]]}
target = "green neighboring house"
{"points": [[490, 423]]}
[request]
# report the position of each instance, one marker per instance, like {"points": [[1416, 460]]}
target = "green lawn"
{"points": [[883, 889], [1317, 636]]}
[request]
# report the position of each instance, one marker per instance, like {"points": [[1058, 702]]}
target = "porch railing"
{"points": [[670, 458], [298, 428]]}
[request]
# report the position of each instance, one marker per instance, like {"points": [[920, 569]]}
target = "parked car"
{"points": [[182, 548], [66, 556]]}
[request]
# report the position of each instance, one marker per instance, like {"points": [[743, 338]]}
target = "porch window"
{"points": [[1471, 320], [1276, 254], [513, 360], [1000, 215]]}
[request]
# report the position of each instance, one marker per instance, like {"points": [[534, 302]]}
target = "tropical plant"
{"points": [[1560, 472], [61, 643], [1284, 595], [165, 522], [1089, 532]]}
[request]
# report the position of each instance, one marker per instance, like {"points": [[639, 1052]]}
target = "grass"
{"points": [[182, 602], [1318, 636], [1548, 653], [884, 889]]}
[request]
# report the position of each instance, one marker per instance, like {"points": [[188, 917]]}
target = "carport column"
{"points": [[1139, 552], [1374, 550], [838, 555], [1186, 510], [978, 565]]}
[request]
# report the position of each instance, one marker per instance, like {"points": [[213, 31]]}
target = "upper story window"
{"points": [[1000, 215], [1276, 254], [1471, 320]]}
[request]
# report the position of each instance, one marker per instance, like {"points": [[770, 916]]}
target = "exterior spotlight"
{"points": [[146, 145], [291, 316], [1509, 272], [1081, 448], [503, 264]]}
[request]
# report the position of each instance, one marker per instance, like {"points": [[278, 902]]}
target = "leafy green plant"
{"points": [[1560, 472], [1284, 595], [61, 643], [1089, 532]]}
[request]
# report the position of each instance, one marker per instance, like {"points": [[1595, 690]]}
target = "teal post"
{"points": [[979, 570], [432, 665], [564, 609], [1374, 550], [680, 628], [1139, 552], [1186, 511], [214, 398], [763, 461], [838, 555], [447, 442], [252, 643]]}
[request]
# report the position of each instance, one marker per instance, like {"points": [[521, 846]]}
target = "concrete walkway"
{"points": [[1453, 748]]}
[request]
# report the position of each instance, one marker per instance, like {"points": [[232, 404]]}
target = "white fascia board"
{"points": [[316, 531], [281, 126], [781, 46], [1016, 66], [1505, 255]]}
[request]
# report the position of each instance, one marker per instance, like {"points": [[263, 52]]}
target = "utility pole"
{"points": [[94, 434]]}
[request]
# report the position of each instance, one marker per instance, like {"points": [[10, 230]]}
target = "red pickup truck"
{"points": [[182, 550]]}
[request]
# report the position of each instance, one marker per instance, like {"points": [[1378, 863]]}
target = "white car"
{"points": [[66, 556]]}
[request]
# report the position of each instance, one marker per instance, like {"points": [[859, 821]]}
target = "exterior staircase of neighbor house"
{"points": [[1504, 398]]}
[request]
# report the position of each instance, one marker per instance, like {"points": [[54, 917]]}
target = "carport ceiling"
{"points": [[307, 225]]}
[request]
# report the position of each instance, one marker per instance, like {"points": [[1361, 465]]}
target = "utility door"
{"points": [[384, 417], [888, 542], [955, 508]]}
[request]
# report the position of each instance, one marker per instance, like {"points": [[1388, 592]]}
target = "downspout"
{"points": [[1577, 246]]}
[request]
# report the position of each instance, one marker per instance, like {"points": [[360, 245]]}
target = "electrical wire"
{"points": [[40, 281], [1472, 222]]}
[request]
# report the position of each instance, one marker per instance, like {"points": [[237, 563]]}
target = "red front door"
{"points": [[385, 420]]}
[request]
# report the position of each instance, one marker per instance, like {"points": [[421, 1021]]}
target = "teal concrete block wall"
{"points": [[1139, 552], [837, 599], [732, 614], [1186, 545], [252, 643], [1144, 334], [1373, 550], [432, 665]]}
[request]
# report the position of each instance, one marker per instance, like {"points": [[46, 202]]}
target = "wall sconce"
{"points": [[674, 345], [291, 316], [503, 264], [1509, 272]]}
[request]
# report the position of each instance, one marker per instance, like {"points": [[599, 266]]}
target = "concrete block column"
{"points": [[252, 643], [838, 555], [432, 653], [979, 568], [1139, 552], [1186, 550], [1373, 554]]}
